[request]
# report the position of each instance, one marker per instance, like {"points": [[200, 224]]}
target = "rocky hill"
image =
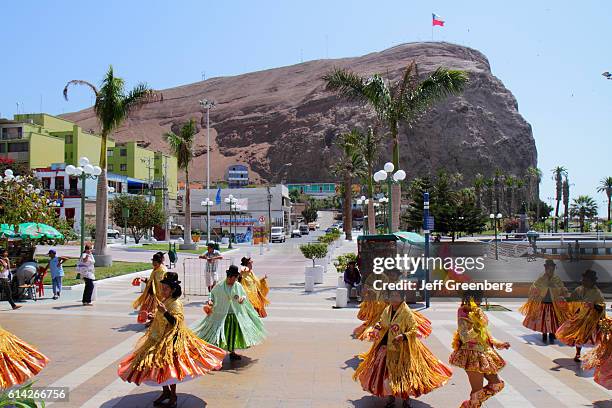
{"points": [[283, 124]]}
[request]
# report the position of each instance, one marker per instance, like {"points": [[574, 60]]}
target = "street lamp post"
{"points": [[231, 201], [207, 104], [83, 172], [387, 174], [360, 202], [207, 203], [495, 219], [384, 201], [125, 212]]}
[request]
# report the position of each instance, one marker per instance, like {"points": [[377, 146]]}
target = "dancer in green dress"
{"points": [[231, 322]]}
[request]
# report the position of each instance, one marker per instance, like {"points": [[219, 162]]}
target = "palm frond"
{"points": [[79, 82], [439, 85], [140, 95], [346, 83]]}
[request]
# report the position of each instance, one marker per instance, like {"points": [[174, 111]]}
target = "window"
{"points": [[68, 139], [123, 152], [110, 152], [2, 147], [18, 147], [12, 133], [123, 167], [110, 167]]}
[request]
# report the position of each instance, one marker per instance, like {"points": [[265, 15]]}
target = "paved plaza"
{"points": [[307, 361]]}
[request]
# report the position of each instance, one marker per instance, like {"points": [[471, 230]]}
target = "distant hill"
{"points": [[283, 124]]}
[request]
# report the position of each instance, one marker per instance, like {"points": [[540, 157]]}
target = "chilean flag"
{"points": [[436, 20]]}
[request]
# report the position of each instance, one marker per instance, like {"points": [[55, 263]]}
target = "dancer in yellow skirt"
{"points": [[256, 289], [474, 351], [19, 361], [398, 365], [600, 358], [147, 301], [169, 353], [546, 307], [588, 305]]}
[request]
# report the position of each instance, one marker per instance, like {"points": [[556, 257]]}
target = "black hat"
{"points": [[549, 262], [590, 275], [158, 257], [232, 271], [171, 279], [245, 261]]}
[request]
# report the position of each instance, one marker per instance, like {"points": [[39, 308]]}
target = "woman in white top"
{"points": [[86, 269]]}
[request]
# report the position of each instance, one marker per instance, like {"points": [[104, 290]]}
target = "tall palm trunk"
{"points": [[371, 213], [396, 189], [102, 208], [348, 209], [187, 232], [609, 194]]}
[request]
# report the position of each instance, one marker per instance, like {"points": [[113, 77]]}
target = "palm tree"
{"points": [[112, 107], [181, 146], [368, 146], [605, 185], [566, 195], [558, 173], [490, 183], [510, 184], [583, 207], [534, 178], [498, 180], [349, 166], [479, 183], [397, 102]]}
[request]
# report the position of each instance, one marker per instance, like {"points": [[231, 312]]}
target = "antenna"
{"points": [[326, 46], [41, 103], [203, 75], [301, 55]]}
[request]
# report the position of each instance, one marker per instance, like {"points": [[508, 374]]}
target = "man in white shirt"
{"points": [[212, 257]]}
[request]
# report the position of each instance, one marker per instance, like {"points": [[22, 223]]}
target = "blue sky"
{"points": [[550, 54]]}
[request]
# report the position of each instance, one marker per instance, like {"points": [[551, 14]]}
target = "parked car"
{"points": [[296, 233], [113, 233], [329, 229], [312, 226], [304, 229], [277, 234], [318, 225], [177, 229]]}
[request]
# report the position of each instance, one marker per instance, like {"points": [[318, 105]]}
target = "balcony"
{"points": [[17, 156]]}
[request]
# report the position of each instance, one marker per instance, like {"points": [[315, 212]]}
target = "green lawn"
{"points": [[119, 268], [164, 248]]}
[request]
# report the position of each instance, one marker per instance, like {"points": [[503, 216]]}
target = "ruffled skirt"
{"points": [[190, 359], [19, 361], [600, 357], [542, 317], [485, 362], [580, 329], [375, 378]]}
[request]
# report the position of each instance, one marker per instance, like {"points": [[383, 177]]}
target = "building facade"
{"points": [[237, 176], [316, 190]]}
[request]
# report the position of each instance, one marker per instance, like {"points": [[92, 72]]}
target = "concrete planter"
{"points": [[316, 272]]}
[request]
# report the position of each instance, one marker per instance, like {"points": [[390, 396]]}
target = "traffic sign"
{"points": [[429, 223], [262, 219]]}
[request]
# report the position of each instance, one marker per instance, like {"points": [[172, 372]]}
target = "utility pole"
{"points": [[147, 162], [269, 214], [208, 104]]}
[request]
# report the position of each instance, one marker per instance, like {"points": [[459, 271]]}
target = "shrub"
{"points": [[343, 260], [326, 239], [314, 251], [511, 224]]}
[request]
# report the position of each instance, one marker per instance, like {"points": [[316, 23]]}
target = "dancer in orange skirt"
{"points": [[19, 361], [474, 351], [588, 304], [600, 358], [169, 353], [546, 308], [147, 301], [255, 288], [398, 365]]}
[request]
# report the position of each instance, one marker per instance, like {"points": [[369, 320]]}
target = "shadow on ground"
{"points": [[145, 400], [603, 404], [570, 365], [235, 366], [371, 401], [131, 327], [351, 363]]}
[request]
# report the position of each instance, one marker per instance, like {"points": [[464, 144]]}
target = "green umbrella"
{"points": [[410, 237], [36, 230], [7, 231]]}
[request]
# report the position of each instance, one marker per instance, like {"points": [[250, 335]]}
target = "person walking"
{"points": [[5, 278], [57, 272], [212, 257], [87, 270]]}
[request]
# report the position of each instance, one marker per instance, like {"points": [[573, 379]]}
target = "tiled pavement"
{"points": [[307, 360]]}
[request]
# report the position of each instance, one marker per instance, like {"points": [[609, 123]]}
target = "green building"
{"points": [[43, 140]]}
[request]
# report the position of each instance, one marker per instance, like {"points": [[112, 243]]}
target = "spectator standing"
{"points": [[5, 278], [57, 272], [87, 270], [212, 257]]}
